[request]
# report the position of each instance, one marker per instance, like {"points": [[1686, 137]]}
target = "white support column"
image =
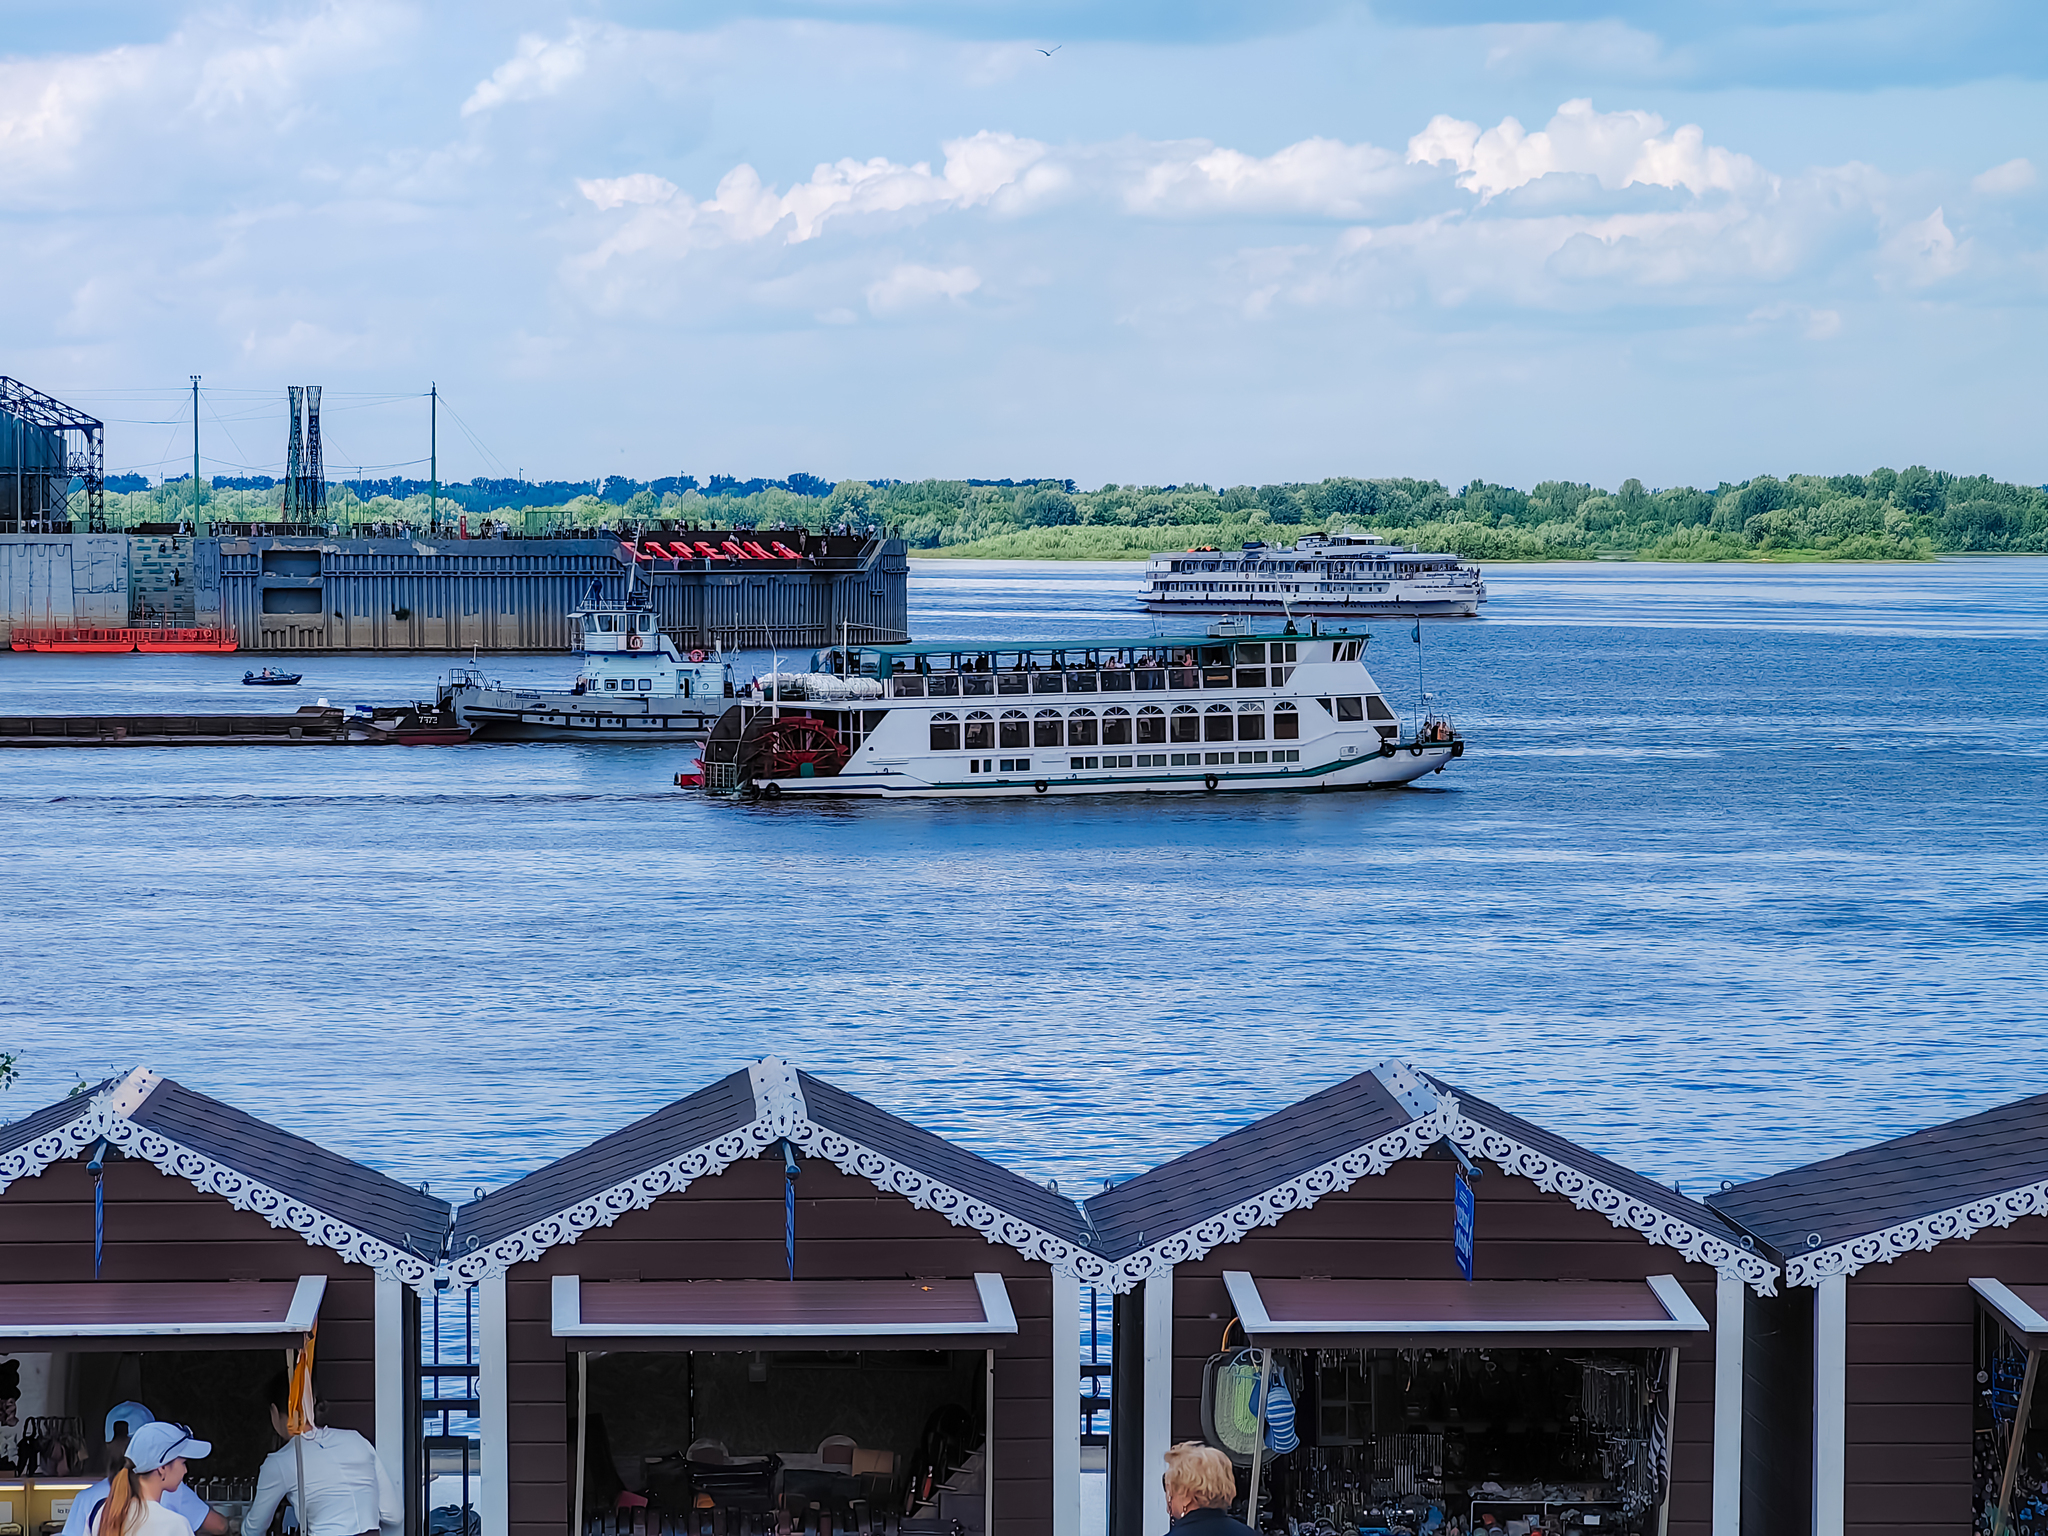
{"points": [[1066, 1405], [494, 1505], [392, 1358], [1158, 1396], [1830, 1404], [1730, 1296]]}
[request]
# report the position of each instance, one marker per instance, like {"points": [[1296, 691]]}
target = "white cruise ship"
{"points": [[1230, 710], [1334, 576]]}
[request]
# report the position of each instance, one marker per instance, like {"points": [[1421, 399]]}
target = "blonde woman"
{"points": [[153, 1467], [1200, 1485]]}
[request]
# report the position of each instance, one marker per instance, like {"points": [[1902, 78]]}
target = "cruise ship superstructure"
{"points": [[1335, 576]]}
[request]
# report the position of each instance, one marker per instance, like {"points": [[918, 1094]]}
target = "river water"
{"points": [[1744, 867]]}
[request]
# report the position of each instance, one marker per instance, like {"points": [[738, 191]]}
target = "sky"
{"points": [[1205, 241]]}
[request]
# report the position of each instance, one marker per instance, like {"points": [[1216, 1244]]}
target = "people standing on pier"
{"points": [[153, 1468], [348, 1492], [123, 1420]]}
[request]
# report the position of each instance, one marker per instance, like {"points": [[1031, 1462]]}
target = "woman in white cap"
{"points": [[154, 1466], [122, 1421]]}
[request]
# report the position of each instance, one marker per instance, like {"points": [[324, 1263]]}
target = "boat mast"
{"points": [[433, 454]]}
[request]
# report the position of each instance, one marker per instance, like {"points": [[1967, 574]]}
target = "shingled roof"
{"points": [[330, 1200], [1873, 1204], [1254, 1176], [741, 1116]]}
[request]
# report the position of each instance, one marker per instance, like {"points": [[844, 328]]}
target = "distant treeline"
{"points": [[1884, 515]]}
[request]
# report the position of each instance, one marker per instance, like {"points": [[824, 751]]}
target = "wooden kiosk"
{"points": [[1318, 1241], [1915, 1313], [164, 1247], [773, 1300]]}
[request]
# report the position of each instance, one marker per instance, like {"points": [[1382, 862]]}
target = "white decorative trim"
{"points": [[780, 1114], [110, 1116], [778, 1095], [1918, 1235], [1622, 1209], [1297, 1194]]}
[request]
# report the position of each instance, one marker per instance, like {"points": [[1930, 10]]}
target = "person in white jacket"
{"points": [[348, 1490]]}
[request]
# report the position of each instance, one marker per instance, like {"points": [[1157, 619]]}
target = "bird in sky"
{"points": [[1055, 48]]}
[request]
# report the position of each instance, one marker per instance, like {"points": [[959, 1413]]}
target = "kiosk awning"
{"points": [[783, 1314], [1450, 1314], [150, 1314], [2022, 1308]]}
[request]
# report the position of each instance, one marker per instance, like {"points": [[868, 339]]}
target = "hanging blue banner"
{"points": [[1462, 1223]]}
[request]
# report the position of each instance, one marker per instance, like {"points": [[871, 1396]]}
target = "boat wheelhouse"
{"points": [[634, 685], [1335, 576], [1229, 710]]}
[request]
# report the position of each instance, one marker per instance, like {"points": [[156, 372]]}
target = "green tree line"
{"points": [[1887, 514]]}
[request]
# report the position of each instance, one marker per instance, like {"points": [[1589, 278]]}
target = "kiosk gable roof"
{"points": [[1873, 1204], [739, 1117], [330, 1200]]}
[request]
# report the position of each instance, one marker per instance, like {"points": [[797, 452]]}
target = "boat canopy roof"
{"points": [[1229, 635]]}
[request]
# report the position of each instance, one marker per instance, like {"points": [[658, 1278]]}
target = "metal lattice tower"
{"points": [[294, 460], [305, 472], [313, 496], [84, 459]]}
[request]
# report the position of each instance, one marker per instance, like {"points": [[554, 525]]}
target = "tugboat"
{"points": [[270, 677], [1234, 709], [1339, 576], [634, 686]]}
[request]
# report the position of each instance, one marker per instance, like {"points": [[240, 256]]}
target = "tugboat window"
{"points": [[1286, 723], [1014, 729], [1351, 709], [1116, 728], [1187, 725], [1216, 724], [1151, 726], [1081, 729], [1048, 729], [981, 731], [945, 732]]}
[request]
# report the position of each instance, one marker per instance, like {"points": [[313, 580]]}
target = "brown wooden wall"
{"points": [[730, 1227], [1912, 1378], [1398, 1226], [159, 1227]]}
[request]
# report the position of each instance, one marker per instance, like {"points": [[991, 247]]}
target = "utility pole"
{"points": [[433, 453], [198, 529]]}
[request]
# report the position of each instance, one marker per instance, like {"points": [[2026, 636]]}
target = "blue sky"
{"points": [[1210, 241]]}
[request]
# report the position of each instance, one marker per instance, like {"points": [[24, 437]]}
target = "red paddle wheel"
{"points": [[799, 746]]}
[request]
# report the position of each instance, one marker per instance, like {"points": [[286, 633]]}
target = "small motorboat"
{"points": [[270, 677]]}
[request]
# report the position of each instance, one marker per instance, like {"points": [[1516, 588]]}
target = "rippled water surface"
{"points": [[1744, 867]]}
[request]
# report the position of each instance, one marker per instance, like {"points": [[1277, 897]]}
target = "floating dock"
{"points": [[310, 726]]}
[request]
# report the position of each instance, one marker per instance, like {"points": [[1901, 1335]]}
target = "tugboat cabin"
{"points": [[167, 1249], [772, 1302], [1397, 1306]]}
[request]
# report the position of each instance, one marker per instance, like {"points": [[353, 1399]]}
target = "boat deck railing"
{"points": [[949, 685]]}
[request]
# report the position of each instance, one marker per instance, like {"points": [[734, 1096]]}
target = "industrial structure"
{"points": [[305, 475], [46, 446]]}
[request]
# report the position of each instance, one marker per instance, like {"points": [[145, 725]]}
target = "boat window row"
{"points": [[984, 731], [1258, 664]]}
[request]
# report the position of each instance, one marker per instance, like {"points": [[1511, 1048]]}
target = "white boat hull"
{"points": [[1452, 605], [506, 716], [930, 781]]}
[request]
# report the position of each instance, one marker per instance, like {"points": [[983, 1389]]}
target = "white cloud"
{"points": [[1620, 149], [539, 67], [1324, 178], [610, 192], [2005, 180], [909, 285], [1925, 252]]}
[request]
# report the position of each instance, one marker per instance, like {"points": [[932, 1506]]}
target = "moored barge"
{"points": [[1229, 710]]}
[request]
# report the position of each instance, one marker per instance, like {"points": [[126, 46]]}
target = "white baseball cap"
{"points": [[157, 1442], [131, 1413]]}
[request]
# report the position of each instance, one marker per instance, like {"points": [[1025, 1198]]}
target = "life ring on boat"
{"points": [[1041, 786], [1415, 749], [696, 655], [633, 640], [772, 791], [1209, 781], [1387, 748]]}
